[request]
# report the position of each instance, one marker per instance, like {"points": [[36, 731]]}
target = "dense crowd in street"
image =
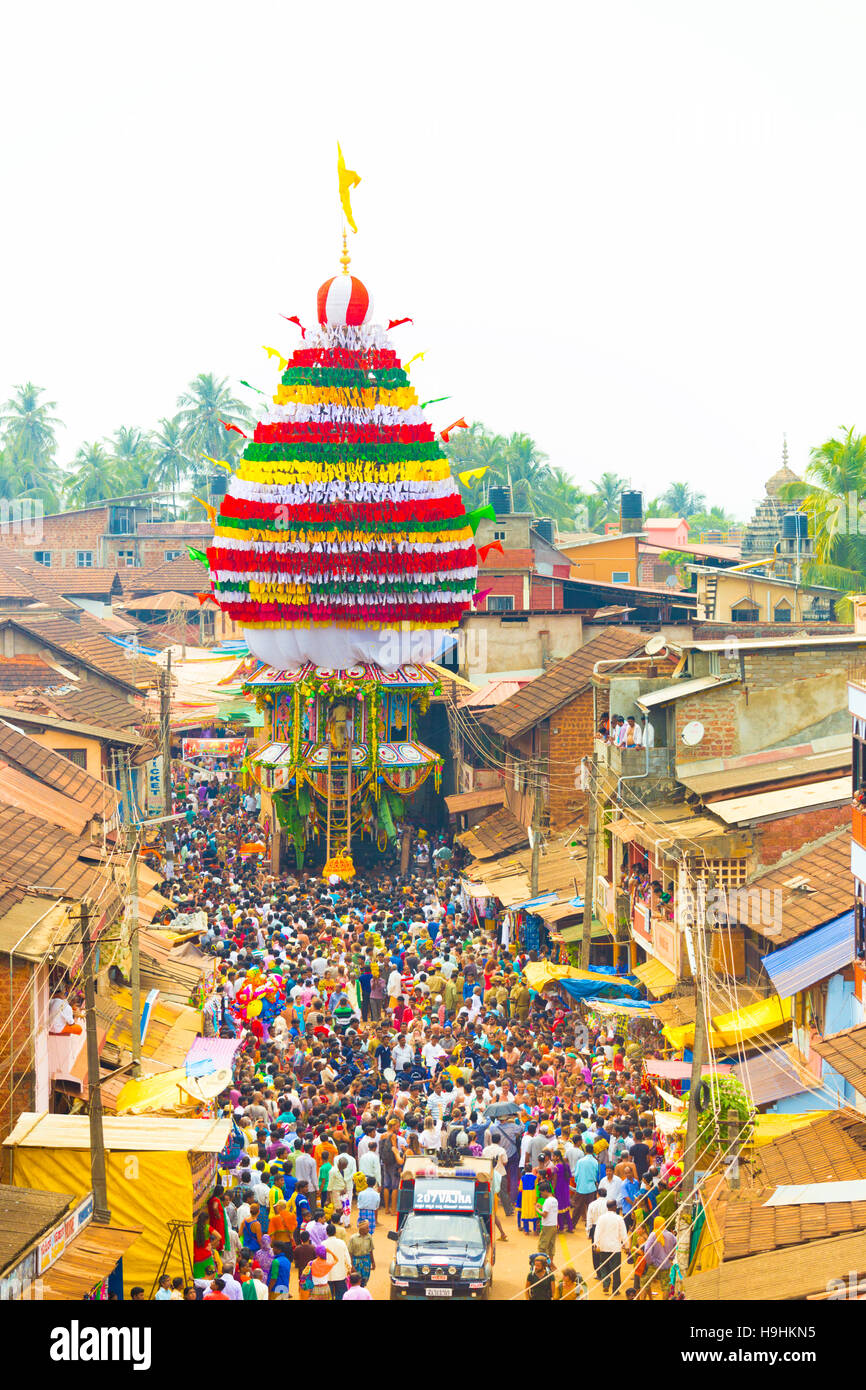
{"points": [[379, 1019]]}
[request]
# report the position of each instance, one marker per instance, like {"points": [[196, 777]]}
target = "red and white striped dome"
{"points": [[343, 299]]}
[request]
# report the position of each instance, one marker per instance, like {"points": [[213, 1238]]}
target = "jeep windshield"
{"points": [[441, 1230]]}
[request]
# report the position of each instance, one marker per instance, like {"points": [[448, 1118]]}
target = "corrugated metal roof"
{"points": [[473, 801], [771, 805], [812, 957], [772, 1075], [854, 1190], [123, 1133], [220, 1051], [680, 689]]}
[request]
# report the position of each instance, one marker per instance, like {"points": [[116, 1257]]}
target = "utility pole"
{"points": [[589, 885], [453, 734], [165, 733], [98, 1178], [699, 1050], [132, 845], [535, 835]]}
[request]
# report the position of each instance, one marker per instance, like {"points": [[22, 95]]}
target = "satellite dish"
{"points": [[656, 644], [693, 733]]}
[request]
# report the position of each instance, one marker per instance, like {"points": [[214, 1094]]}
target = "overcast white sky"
{"points": [[634, 231]]}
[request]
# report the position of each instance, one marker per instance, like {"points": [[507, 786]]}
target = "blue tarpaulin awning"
{"points": [[587, 989], [813, 957]]}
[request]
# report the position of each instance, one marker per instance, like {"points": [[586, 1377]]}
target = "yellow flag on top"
{"points": [[348, 180]]}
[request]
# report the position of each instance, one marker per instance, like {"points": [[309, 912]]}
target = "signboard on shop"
{"points": [[52, 1245]]}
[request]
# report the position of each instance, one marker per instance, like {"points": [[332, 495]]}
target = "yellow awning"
{"points": [[769, 1128], [657, 978], [540, 973], [729, 1029], [537, 974], [172, 1091]]}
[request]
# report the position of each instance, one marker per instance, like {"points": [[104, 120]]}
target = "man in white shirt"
{"points": [[338, 1278], [230, 1283], [401, 1053], [369, 1164], [611, 1238], [432, 1052], [549, 1223]]}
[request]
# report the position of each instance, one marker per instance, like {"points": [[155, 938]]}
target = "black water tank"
{"points": [[631, 506], [544, 527], [500, 499], [795, 524]]}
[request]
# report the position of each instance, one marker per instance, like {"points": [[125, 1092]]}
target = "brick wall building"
{"points": [[777, 694], [548, 726], [110, 536]]}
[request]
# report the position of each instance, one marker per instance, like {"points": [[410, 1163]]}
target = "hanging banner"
{"points": [[214, 747], [153, 786]]}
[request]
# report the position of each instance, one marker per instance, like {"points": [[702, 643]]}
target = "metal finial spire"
{"points": [[345, 257], [784, 441]]}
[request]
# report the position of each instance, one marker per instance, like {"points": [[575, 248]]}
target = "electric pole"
{"points": [[454, 736], [589, 885], [98, 1178], [132, 842], [535, 836], [699, 1047], [165, 732]]}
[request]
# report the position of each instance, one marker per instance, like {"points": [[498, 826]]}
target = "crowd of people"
{"points": [[377, 1019]]}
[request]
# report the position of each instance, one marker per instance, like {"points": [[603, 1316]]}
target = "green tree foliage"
{"points": [[28, 447], [682, 500], [93, 476], [833, 496]]}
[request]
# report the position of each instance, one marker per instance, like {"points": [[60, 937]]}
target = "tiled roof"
{"points": [[562, 682], [85, 642], [832, 1149], [24, 1215], [825, 892], [846, 1053], [55, 771], [83, 581], [19, 672], [86, 704], [183, 576], [494, 835], [36, 853], [22, 579]]}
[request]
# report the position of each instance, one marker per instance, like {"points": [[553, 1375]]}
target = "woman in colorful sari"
{"points": [[204, 1265], [218, 1227], [562, 1191]]}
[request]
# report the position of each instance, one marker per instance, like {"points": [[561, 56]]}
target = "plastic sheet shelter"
{"points": [[729, 1029], [158, 1170], [173, 1092]]}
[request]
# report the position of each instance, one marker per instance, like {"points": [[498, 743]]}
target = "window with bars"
{"points": [[75, 755]]}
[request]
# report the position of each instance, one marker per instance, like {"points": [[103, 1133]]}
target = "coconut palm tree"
{"points": [[205, 404], [716, 519], [95, 476], [607, 492], [28, 442], [560, 498], [171, 462], [133, 455], [833, 496], [682, 500]]}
